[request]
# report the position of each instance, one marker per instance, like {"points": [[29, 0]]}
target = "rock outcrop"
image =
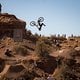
{"points": [[11, 20], [11, 26]]}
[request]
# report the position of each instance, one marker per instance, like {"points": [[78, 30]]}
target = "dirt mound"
{"points": [[47, 65]]}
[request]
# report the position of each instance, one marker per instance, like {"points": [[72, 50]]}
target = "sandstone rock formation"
{"points": [[11, 26]]}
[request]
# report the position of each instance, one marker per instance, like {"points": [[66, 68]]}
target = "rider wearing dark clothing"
{"points": [[40, 24]]}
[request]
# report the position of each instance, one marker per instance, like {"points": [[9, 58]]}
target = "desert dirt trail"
{"points": [[5, 70]]}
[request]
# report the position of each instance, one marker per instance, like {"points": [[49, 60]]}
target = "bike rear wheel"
{"points": [[33, 23]]}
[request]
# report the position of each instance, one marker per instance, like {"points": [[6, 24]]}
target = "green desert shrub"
{"points": [[19, 49], [42, 49], [46, 40]]}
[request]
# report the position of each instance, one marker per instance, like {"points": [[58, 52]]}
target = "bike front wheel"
{"points": [[41, 19]]}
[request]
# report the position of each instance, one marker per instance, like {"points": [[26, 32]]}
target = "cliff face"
{"points": [[9, 19], [11, 26]]}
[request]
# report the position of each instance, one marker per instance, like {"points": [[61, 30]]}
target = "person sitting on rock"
{"points": [[8, 53]]}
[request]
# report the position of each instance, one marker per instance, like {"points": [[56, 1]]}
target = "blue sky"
{"points": [[61, 16]]}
